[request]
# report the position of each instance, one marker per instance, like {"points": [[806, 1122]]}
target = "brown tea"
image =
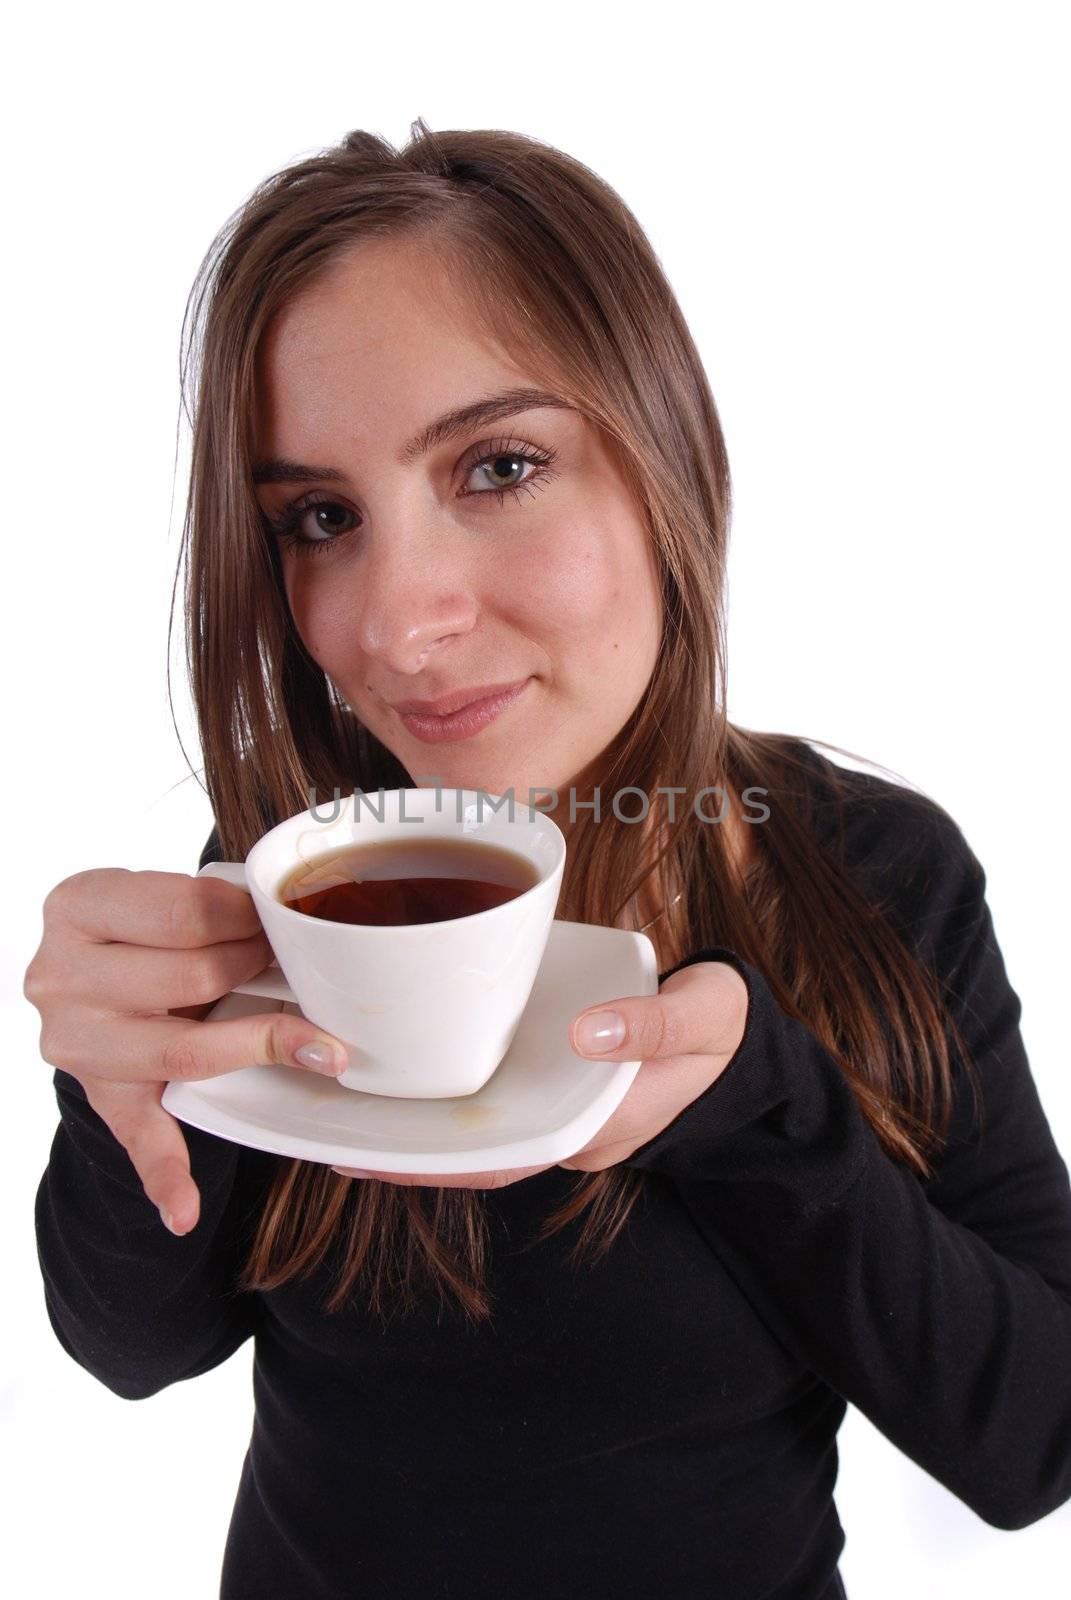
{"points": [[398, 882]]}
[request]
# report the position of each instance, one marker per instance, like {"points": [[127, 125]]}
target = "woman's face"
{"points": [[432, 570]]}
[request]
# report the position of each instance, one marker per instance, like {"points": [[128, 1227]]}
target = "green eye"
{"points": [[498, 458]]}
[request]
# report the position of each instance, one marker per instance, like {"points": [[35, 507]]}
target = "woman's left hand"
{"points": [[685, 1037]]}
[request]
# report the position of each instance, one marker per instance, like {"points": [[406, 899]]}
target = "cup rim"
{"points": [[403, 927]]}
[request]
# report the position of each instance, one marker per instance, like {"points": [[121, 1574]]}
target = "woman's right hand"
{"points": [[128, 965]]}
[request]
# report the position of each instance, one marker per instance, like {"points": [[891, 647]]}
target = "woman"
{"points": [[450, 430]]}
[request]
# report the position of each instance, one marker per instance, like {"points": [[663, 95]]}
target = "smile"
{"points": [[463, 723]]}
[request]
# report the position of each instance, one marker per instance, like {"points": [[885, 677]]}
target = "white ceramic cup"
{"points": [[426, 1010]]}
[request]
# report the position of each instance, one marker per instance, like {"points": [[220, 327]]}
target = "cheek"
{"points": [[322, 616], [597, 593], [574, 582]]}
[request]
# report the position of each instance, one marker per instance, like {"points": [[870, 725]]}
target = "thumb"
{"points": [[633, 1029], [694, 1009], [210, 1048]]}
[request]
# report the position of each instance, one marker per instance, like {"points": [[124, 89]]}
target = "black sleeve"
{"points": [[940, 1308], [134, 1305]]}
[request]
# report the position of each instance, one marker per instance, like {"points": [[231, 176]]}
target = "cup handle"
{"points": [[269, 984]]}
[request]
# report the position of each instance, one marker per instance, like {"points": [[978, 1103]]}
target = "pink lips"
{"points": [[466, 720]]}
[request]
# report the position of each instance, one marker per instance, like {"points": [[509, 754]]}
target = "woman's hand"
{"points": [[128, 965], [685, 1037]]}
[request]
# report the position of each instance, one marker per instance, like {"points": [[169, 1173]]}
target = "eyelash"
{"points": [[285, 526]]}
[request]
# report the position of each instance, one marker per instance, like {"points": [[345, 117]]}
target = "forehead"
{"points": [[383, 341]]}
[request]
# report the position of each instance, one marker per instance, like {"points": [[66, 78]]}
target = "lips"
{"points": [[466, 721], [448, 703]]}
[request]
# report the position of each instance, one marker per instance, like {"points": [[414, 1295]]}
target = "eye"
{"points": [[488, 464], [292, 519]]}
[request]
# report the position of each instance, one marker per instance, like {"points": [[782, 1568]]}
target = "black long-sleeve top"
{"points": [[664, 1422]]}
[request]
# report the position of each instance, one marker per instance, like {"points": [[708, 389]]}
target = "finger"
{"points": [[154, 1142], [682, 1019], [631, 1030], [131, 978], [170, 910], [168, 1049], [195, 1013]]}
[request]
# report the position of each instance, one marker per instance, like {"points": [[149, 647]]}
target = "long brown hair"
{"points": [[564, 276]]}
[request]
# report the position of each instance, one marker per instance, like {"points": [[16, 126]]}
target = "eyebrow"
{"points": [[477, 414]]}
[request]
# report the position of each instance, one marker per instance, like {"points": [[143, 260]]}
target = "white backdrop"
{"points": [[863, 212]]}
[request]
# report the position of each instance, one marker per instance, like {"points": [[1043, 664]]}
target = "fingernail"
{"points": [[351, 1172], [322, 1057], [600, 1031], [167, 1219]]}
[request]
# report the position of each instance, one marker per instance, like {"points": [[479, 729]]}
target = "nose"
{"points": [[415, 596]]}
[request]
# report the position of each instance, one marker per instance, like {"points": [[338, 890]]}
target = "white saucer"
{"points": [[542, 1104]]}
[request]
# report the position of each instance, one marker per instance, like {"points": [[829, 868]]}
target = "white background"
{"points": [[863, 210]]}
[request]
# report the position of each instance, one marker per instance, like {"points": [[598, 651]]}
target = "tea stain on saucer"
{"points": [[473, 1116]]}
